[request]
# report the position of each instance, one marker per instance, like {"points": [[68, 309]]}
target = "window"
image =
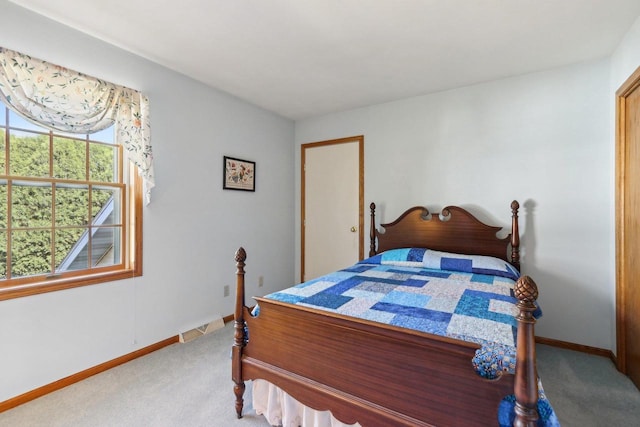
{"points": [[70, 209]]}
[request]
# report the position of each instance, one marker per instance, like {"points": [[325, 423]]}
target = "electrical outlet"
{"points": [[260, 281], [226, 290]]}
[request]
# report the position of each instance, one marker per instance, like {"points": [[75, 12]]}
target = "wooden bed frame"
{"points": [[382, 375]]}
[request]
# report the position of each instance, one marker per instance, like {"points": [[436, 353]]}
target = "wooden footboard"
{"points": [[377, 374]]}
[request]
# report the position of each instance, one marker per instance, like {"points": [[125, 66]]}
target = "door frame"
{"points": [[631, 84], [360, 140]]}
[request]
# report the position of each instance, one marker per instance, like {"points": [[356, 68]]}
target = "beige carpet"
{"points": [[186, 385]]}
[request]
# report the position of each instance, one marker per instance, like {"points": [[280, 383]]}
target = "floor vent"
{"points": [[201, 330]]}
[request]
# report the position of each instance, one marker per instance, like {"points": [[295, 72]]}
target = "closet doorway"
{"points": [[332, 203], [628, 227]]}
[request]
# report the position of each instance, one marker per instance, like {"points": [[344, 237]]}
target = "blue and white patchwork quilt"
{"points": [[466, 297], [458, 296]]}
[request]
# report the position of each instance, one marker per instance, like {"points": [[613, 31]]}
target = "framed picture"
{"points": [[239, 174]]}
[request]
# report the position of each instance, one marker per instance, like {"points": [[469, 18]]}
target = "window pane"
{"points": [[106, 135], [105, 206], [72, 205], [30, 253], [103, 165], [3, 255], [71, 249], [17, 121], [69, 159], [3, 115], [105, 246], [70, 135], [29, 155], [3, 203], [31, 204]]}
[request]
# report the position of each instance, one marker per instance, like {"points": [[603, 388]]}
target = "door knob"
{"points": [[354, 229]]}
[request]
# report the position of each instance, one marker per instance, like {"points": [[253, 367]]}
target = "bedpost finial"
{"points": [[241, 255], [515, 206], [372, 230], [526, 289]]}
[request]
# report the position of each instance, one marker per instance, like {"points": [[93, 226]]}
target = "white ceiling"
{"points": [[302, 58]]}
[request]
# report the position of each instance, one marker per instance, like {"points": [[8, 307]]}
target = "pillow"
{"points": [[478, 264], [427, 258], [407, 257]]}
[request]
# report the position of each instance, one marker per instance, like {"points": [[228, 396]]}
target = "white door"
{"points": [[332, 205]]}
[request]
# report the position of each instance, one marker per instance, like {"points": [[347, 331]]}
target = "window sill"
{"points": [[45, 286]]}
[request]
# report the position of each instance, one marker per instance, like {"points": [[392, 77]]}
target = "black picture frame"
{"points": [[238, 174]]}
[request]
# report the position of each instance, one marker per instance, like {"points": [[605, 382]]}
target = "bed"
{"points": [[371, 372]]}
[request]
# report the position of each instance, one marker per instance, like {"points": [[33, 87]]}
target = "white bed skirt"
{"points": [[280, 409]]}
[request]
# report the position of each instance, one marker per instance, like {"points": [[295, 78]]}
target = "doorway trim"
{"points": [[360, 140], [631, 84]]}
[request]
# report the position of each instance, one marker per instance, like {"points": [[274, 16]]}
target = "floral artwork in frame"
{"points": [[239, 174]]}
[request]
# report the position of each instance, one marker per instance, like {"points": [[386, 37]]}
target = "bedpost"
{"points": [[239, 337], [372, 233], [526, 380], [515, 235]]}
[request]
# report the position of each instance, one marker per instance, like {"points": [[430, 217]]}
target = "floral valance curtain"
{"points": [[68, 101]]}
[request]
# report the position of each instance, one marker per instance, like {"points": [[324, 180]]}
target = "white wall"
{"points": [[626, 59], [543, 139], [191, 228]]}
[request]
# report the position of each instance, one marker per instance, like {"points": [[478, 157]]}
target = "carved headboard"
{"points": [[454, 230]]}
